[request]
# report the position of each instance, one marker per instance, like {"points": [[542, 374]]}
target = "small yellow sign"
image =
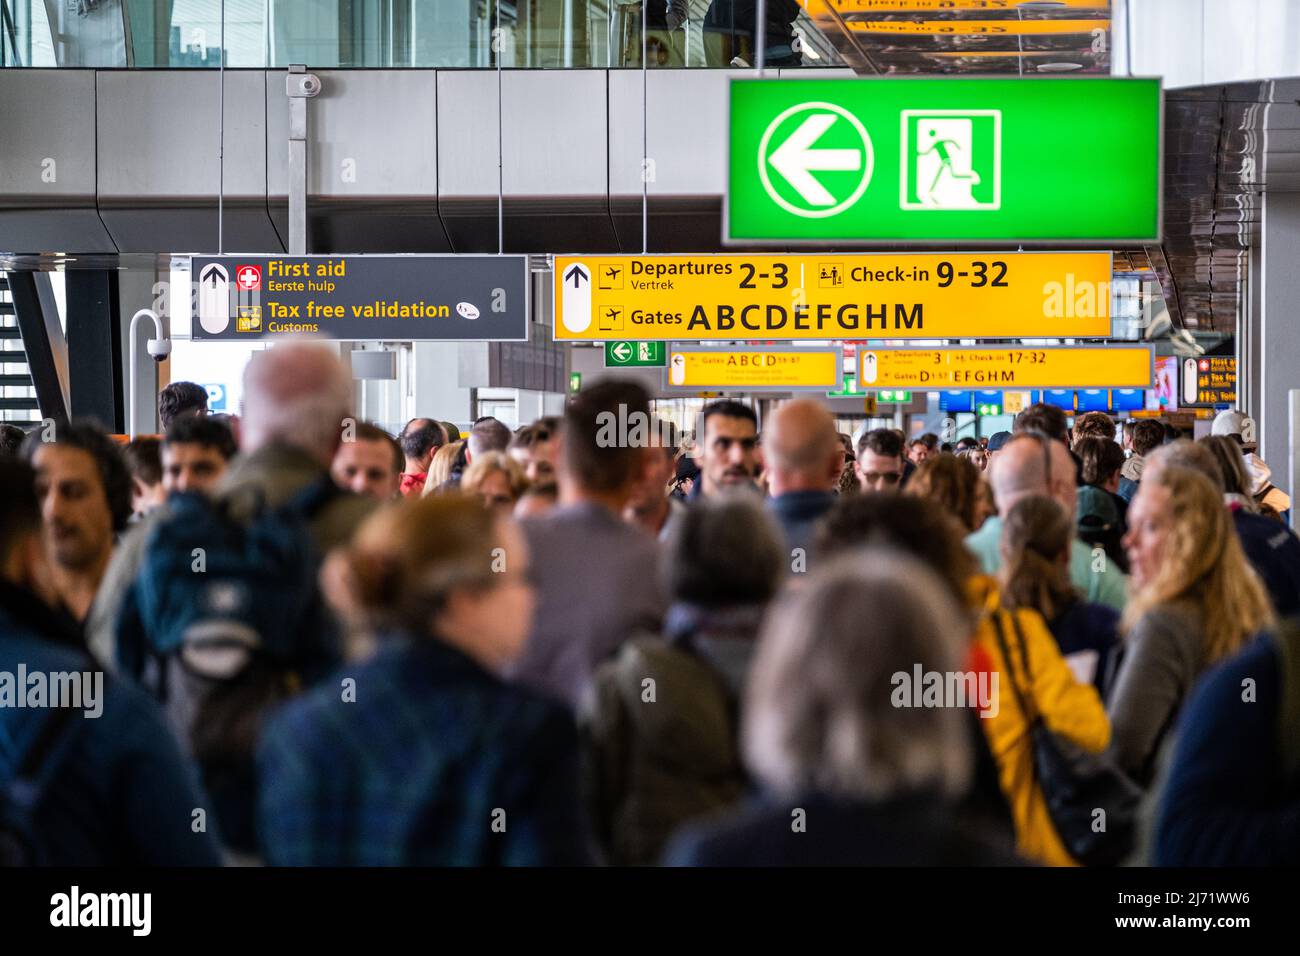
{"points": [[1013, 403], [1007, 368], [754, 369], [978, 27], [833, 296], [815, 7], [248, 318]]}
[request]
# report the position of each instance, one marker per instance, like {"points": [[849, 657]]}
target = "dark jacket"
{"points": [[664, 753], [1233, 792], [436, 762], [29, 613], [1084, 626], [799, 513], [817, 830], [122, 794], [1273, 550]]}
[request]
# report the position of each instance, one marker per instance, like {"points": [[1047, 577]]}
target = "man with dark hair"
{"points": [[180, 399], [144, 461], [729, 451], [1101, 515], [1041, 417], [1093, 425], [593, 571], [880, 464], [117, 789], [535, 447], [368, 462], [11, 439], [195, 453], [1148, 435], [1102, 460], [918, 451], [420, 441], [651, 507], [85, 492]]}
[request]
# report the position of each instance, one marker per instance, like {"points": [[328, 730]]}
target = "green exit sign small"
{"points": [[575, 383], [635, 355], [888, 397], [989, 408]]}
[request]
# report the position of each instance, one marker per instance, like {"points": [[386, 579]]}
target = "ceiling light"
{"points": [[1059, 67]]}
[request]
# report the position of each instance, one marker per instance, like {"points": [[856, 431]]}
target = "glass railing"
{"points": [[324, 34]]}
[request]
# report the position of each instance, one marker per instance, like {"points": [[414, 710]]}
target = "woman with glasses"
{"points": [[421, 755]]}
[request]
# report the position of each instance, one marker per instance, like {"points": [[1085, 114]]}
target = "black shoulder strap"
{"points": [[1022, 698]]}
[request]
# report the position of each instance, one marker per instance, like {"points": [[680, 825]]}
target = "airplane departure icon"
{"points": [[611, 318], [611, 278]]}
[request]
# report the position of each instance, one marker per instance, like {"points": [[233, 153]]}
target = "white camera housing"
{"points": [[302, 84], [158, 349]]}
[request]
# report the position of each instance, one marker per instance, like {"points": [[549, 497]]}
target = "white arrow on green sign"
{"points": [[635, 355]]}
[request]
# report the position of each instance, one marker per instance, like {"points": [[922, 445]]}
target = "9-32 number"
{"points": [[980, 277]]}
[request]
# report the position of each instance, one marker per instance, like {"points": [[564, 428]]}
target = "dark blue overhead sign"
{"points": [[361, 298]]}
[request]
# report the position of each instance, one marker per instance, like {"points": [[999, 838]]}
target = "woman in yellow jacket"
{"points": [[1068, 708]]}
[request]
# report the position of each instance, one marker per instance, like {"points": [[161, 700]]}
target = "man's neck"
{"points": [[415, 468], [654, 516], [789, 484], [611, 501], [77, 586]]}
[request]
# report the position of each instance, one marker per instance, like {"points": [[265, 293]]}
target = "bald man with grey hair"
{"points": [[804, 459], [296, 409], [1031, 463], [297, 393]]}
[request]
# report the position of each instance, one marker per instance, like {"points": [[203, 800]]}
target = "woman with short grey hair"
{"points": [[855, 766]]}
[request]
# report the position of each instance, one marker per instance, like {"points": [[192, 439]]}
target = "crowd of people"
{"points": [[322, 644]]}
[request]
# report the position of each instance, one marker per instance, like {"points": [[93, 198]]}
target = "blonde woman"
{"points": [[440, 467], [1195, 601], [495, 478]]}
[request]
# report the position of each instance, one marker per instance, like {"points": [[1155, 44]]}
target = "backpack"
{"points": [[22, 793], [223, 622]]}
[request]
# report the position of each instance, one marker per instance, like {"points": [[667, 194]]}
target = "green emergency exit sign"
{"points": [[635, 354], [887, 397], [944, 159]]}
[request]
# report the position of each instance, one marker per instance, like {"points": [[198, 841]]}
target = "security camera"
{"points": [[159, 349], [302, 84]]}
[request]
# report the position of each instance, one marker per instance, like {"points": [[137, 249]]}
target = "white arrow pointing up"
{"points": [[795, 159]]}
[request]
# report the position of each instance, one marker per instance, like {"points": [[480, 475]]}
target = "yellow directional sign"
{"points": [[1126, 366], [833, 296], [977, 27], [935, 6], [754, 369]]}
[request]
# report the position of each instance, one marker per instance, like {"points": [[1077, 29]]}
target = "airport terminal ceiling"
{"points": [[438, 197]]}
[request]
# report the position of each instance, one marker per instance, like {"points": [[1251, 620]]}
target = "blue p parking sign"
{"points": [[216, 397]]}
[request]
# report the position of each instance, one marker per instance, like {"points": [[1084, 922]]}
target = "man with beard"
{"points": [[85, 492], [729, 452]]}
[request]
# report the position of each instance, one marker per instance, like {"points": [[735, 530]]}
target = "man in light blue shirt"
{"points": [[1031, 464]]}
